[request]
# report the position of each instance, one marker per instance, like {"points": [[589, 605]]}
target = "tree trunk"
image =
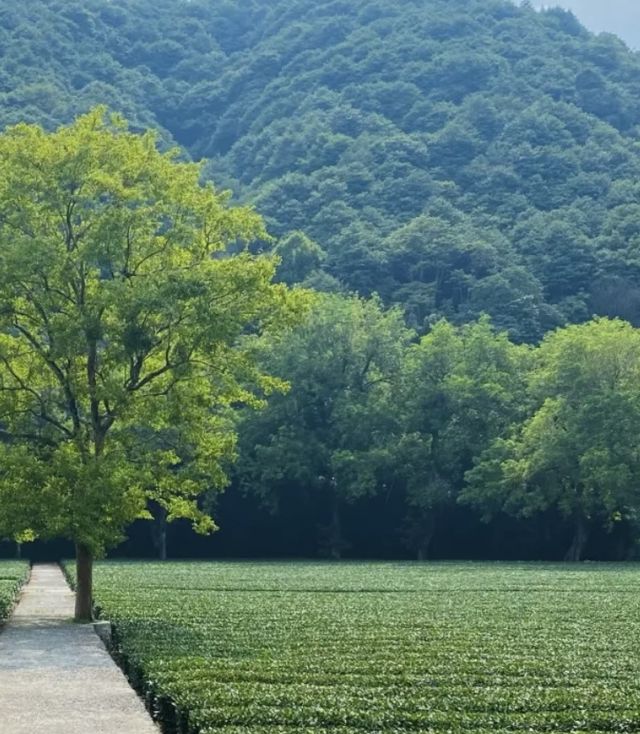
{"points": [[159, 530], [335, 531], [427, 532], [579, 541], [18, 550], [162, 541], [84, 584]]}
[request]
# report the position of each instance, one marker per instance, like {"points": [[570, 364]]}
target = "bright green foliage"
{"points": [[577, 451], [460, 389], [358, 121], [326, 435], [122, 312], [13, 575], [240, 648]]}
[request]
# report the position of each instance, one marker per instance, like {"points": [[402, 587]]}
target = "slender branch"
{"points": [[72, 404], [34, 437], [23, 387]]}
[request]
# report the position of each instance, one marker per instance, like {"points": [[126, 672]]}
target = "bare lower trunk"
{"points": [[426, 536], [18, 550], [162, 542], [159, 530], [335, 531], [579, 541], [84, 584]]}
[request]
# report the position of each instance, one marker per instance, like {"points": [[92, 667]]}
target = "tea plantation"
{"points": [[274, 648], [13, 574]]}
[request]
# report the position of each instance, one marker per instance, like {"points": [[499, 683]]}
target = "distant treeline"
{"points": [[459, 424], [456, 444]]}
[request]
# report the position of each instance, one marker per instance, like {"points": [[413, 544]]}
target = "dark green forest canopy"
{"points": [[456, 156]]}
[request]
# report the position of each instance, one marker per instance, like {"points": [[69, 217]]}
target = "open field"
{"points": [[12, 575], [381, 647]]}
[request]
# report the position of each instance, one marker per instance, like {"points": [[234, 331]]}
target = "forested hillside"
{"points": [[455, 156]]}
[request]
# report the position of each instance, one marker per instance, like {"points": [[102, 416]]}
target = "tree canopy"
{"points": [[328, 435], [577, 450], [126, 323], [459, 390]]}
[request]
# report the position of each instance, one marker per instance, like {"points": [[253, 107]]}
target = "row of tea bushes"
{"points": [[13, 574], [278, 648]]}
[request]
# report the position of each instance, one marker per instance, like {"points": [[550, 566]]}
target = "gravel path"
{"points": [[56, 676]]}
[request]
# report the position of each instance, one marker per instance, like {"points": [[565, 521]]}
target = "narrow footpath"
{"points": [[56, 677]]}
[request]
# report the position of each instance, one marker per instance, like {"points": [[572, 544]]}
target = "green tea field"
{"points": [[12, 575], [274, 648]]}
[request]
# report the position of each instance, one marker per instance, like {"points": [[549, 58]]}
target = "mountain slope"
{"points": [[457, 156]]}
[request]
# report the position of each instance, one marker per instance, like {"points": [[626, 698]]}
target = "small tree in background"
{"points": [[120, 308]]}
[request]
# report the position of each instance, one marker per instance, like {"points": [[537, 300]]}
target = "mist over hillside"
{"points": [[621, 17]]}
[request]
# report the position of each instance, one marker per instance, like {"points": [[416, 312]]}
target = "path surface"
{"points": [[55, 676]]}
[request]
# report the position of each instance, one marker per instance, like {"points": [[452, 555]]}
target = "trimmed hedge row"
{"points": [[277, 648], [13, 574]]}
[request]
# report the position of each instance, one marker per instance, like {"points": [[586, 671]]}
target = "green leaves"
{"points": [[326, 436], [514, 129], [460, 388], [13, 574], [125, 312], [576, 451]]}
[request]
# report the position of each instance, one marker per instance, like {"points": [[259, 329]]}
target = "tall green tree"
{"points": [[577, 450], [460, 388], [328, 434], [123, 314]]}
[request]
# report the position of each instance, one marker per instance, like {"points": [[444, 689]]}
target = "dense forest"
{"points": [[459, 180]]}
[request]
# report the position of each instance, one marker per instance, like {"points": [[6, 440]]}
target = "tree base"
{"points": [[84, 584]]}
